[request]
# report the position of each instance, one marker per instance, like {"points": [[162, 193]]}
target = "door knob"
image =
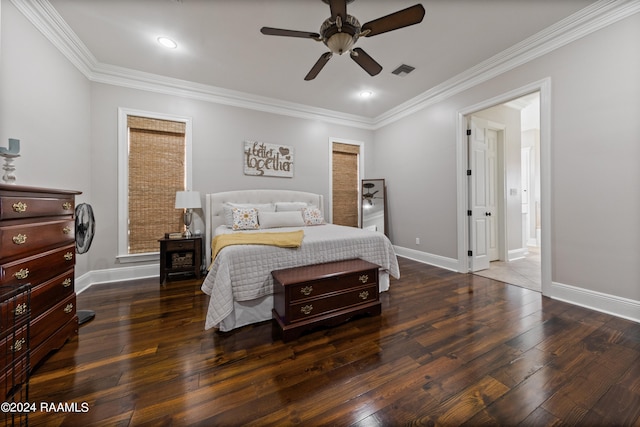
{"points": [[487, 213]]}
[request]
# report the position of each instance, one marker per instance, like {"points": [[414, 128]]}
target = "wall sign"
{"points": [[262, 159]]}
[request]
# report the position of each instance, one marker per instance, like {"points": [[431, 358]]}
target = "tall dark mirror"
{"points": [[374, 205]]}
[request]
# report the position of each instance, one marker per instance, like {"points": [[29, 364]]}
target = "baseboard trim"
{"points": [[610, 304], [427, 258], [116, 275]]}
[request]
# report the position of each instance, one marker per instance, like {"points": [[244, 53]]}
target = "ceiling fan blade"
{"points": [[318, 66], [365, 61], [403, 18], [289, 33], [338, 8]]}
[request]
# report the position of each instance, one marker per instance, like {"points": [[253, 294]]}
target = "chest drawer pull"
{"points": [[19, 207], [68, 256], [17, 345], [66, 206], [66, 283], [20, 239], [66, 230], [69, 308], [22, 274], [363, 278], [20, 309], [306, 290], [364, 295], [307, 309]]}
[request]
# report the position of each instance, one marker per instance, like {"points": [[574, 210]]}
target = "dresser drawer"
{"points": [[14, 342], [179, 245], [49, 322], [14, 207], [337, 301], [50, 292], [329, 285], [14, 307], [17, 240], [38, 268]]}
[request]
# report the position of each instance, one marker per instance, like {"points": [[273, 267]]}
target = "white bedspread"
{"points": [[243, 272]]}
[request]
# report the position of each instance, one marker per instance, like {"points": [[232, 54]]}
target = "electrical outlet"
{"points": [[417, 240]]}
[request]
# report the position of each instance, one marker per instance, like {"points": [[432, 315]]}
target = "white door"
{"points": [[483, 164]]}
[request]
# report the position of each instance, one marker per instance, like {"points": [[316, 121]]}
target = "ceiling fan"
{"points": [[369, 196], [341, 31]]}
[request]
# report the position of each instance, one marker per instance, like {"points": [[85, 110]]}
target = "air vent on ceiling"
{"points": [[403, 70]]}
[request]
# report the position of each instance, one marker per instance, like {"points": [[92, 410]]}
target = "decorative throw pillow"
{"points": [[245, 219], [312, 216], [228, 213], [280, 219]]}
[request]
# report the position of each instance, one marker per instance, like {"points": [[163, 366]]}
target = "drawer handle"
{"points": [[363, 278], [69, 308], [306, 290], [17, 345], [307, 309], [19, 207], [20, 239], [22, 274], [68, 256], [66, 206], [66, 283], [66, 230], [20, 309], [364, 295]]}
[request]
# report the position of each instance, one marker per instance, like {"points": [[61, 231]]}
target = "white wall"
{"points": [[219, 133], [45, 103], [595, 169]]}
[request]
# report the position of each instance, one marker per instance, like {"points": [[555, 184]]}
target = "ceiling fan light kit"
{"points": [[341, 31]]}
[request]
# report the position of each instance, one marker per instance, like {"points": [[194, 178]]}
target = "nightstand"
{"points": [[180, 257]]}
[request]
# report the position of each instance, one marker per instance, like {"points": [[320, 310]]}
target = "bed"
{"points": [[239, 280]]}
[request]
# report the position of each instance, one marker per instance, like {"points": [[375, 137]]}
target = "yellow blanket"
{"points": [[287, 239]]}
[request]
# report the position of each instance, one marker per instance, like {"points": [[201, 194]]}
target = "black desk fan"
{"points": [[85, 228]]}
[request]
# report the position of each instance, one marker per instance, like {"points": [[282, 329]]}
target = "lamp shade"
{"points": [[187, 200]]}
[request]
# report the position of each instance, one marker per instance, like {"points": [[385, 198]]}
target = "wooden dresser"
{"points": [[323, 295], [37, 247]]}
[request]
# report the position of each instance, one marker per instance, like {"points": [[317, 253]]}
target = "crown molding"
{"points": [[582, 23]]}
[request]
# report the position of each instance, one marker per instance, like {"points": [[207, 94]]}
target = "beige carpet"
{"points": [[525, 272]]}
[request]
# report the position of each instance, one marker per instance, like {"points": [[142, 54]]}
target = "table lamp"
{"points": [[188, 200]]}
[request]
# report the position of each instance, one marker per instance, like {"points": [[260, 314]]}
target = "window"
{"points": [[154, 160]]}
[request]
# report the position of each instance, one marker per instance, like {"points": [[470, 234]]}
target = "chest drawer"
{"points": [[14, 307], [333, 302], [329, 285], [180, 245], [38, 268], [50, 292], [47, 323], [15, 207], [17, 240]]}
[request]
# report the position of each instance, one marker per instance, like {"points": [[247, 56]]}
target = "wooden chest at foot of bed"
{"points": [[323, 295]]}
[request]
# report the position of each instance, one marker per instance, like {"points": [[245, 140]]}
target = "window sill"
{"points": [[131, 258]]}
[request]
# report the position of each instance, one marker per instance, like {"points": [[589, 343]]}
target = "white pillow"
{"points": [[280, 219], [312, 216], [290, 206], [245, 219], [228, 214]]}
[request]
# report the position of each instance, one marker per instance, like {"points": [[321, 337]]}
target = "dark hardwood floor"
{"points": [[448, 349]]}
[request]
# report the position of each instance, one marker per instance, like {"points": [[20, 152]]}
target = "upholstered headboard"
{"points": [[213, 210]]}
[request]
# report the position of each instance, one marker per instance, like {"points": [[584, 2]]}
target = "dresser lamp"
{"points": [[188, 200]]}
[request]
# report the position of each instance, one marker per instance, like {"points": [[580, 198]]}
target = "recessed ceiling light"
{"points": [[366, 94], [167, 42]]}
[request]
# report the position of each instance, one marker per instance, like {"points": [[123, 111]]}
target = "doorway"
{"points": [[346, 171], [525, 259]]}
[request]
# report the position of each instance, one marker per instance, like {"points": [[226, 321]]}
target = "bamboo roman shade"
{"points": [[156, 172], [345, 184]]}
